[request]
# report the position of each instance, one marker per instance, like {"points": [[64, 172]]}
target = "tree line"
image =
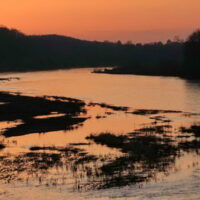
{"points": [[20, 52]]}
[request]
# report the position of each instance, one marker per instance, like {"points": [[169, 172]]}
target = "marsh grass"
{"points": [[195, 129], [25, 108], [142, 154]]}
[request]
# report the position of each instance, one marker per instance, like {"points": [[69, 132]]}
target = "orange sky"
{"points": [[136, 20]]}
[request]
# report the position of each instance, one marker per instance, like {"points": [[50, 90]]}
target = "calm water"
{"points": [[145, 92]]}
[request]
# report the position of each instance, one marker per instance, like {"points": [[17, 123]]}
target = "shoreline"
{"points": [[124, 71]]}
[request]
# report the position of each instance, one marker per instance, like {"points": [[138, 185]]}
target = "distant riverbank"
{"points": [[146, 72]]}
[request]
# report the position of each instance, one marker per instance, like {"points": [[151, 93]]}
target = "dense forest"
{"points": [[20, 52]]}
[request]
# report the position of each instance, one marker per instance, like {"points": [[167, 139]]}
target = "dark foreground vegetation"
{"points": [[39, 114], [20, 52], [142, 155], [146, 153]]}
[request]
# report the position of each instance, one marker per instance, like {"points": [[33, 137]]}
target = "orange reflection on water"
{"points": [[145, 92]]}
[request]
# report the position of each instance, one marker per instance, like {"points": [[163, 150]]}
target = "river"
{"points": [[181, 182]]}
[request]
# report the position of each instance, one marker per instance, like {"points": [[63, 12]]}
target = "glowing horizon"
{"points": [[136, 20]]}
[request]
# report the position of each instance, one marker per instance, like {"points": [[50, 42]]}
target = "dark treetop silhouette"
{"points": [[192, 55]]}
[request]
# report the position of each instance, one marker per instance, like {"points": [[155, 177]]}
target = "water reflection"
{"points": [[136, 157], [192, 96], [127, 90], [61, 142]]}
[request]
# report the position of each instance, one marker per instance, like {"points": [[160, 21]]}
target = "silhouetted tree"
{"points": [[192, 55]]}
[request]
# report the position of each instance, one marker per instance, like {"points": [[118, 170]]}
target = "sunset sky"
{"points": [[136, 20]]}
